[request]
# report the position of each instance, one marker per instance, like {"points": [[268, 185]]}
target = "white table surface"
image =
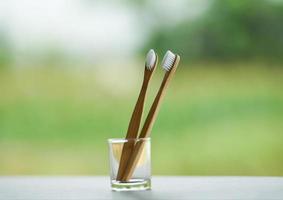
{"points": [[163, 187]]}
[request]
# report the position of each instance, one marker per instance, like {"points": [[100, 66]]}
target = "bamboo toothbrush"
{"points": [[170, 63], [133, 128]]}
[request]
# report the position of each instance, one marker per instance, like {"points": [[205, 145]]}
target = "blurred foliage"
{"points": [[5, 51], [229, 30], [222, 120]]}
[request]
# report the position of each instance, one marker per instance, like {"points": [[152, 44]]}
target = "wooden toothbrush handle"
{"points": [[151, 117], [132, 131], [133, 160], [146, 130]]}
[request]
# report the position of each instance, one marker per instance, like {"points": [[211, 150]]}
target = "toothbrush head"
{"points": [[150, 59], [168, 60]]}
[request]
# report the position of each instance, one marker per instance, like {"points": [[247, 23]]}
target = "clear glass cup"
{"points": [[141, 176]]}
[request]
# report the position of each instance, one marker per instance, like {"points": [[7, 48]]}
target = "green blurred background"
{"points": [[70, 72]]}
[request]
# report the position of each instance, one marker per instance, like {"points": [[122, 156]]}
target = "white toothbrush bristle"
{"points": [[150, 59], [168, 60]]}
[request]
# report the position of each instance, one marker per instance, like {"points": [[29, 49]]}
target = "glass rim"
{"points": [[123, 140]]}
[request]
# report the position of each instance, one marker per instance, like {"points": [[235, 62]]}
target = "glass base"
{"points": [[131, 185]]}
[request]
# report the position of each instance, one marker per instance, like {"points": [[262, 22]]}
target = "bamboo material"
{"points": [[146, 130], [134, 124]]}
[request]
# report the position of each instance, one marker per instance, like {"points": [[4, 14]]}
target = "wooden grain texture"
{"points": [[134, 124], [181, 188], [151, 117]]}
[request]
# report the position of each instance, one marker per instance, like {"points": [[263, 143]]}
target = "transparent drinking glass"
{"points": [[140, 178]]}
